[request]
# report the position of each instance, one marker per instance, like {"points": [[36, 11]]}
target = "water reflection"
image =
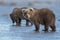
{"points": [[10, 32]]}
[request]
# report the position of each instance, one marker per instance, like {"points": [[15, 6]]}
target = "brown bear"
{"points": [[16, 16], [42, 16]]}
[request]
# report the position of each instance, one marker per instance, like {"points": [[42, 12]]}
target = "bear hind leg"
{"points": [[46, 28], [53, 28]]}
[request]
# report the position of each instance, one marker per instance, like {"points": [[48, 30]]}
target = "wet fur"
{"points": [[16, 16], [42, 16]]}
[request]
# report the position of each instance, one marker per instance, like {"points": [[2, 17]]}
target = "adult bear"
{"points": [[42, 16], [16, 16]]}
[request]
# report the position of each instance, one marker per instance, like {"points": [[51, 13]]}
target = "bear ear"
{"points": [[31, 9]]}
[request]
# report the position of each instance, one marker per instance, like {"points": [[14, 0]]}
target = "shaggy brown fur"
{"points": [[16, 16], [42, 16]]}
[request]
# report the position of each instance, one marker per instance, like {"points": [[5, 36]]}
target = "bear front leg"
{"points": [[27, 23], [37, 26], [17, 23]]}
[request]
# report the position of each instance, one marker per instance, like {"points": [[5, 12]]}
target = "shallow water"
{"points": [[9, 32]]}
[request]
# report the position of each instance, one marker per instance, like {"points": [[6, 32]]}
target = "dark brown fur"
{"points": [[42, 16], [16, 16]]}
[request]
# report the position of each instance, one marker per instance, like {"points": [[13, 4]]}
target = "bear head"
{"points": [[28, 13]]}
